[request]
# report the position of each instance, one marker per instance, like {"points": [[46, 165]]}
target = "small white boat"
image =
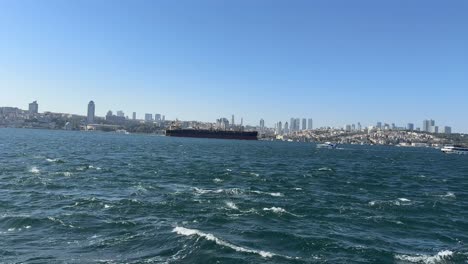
{"points": [[327, 145], [455, 150]]}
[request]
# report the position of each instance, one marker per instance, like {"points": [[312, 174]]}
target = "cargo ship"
{"points": [[220, 134]]}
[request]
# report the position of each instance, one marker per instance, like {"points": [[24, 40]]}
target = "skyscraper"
{"points": [[297, 124], [304, 124], [279, 128], [134, 116], [120, 113], [148, 117], [262, 125], [291, 125], [309, 124], [379, 125], [33, 108], [232, 120], [286, 128], [157, 117], [91, 112], [410, 126]]}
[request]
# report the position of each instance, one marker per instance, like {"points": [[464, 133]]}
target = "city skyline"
{"points": [[404, 61]]}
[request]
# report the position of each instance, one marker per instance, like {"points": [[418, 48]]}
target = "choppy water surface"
{"points": [[80, 197]]}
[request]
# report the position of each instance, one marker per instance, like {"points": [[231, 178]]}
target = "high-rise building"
{"points": [[33, 108], [286, 128], [359, 126], [304, 124], [291, 125], [91, 112], [148, 117], [297, 124], [134, 116], [309, 124], [410, 126], [163, 118], [120, 113], [379, 125], [262, 125], [232, 120], [447, 130], [279, 128], [157, 117]]}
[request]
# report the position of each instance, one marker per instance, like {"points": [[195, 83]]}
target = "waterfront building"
{"points": [[134, 116], [262, 125], [148, 117], [309, 124], [304, 124], [279, 128], [410, 126], [286, 128], [33, 107], [447, 130], [91, 112]]}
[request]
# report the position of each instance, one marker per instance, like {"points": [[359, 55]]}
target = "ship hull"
{"points": [[238, 135]]}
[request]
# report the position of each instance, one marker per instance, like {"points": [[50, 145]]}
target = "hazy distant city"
{"points": [[295, 129]]}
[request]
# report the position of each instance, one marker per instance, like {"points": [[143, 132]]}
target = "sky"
{"points": [[336, 61]]}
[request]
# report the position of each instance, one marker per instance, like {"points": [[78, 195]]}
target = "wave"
{"points": [[450, 195], [217, 180], [397, 202], [325, 169], [234, 191], [34, 170], [279, 211], [194, 232], [440, 257], [55, 160], [232, 205], [274, 194]]}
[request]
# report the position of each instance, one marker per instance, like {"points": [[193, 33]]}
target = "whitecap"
{"points": [[193, 232], [254, 174], [232, 205], [404, 200], [107, 206], [217, 180], [228, 170], [298, 189], [325, 169], [440, 257], [277, 210], [34, 170], [52, 160], [449, 195], [67, 174], [274, 194]]}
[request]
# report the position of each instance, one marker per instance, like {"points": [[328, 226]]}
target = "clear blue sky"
{"points": [[335, 61]]}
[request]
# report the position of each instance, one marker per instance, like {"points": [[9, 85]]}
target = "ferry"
{"points": [[455, 150], [327, 145]]}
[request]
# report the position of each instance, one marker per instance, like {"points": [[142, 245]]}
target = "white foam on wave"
{"points": [[217, 180], [232, 205], [205, 191], [34, 170], [325, 169], [194, 232], [254, 174], [274, 194], [449, 195], [404, 200], [277, 210], [51, 160], [440, 257]]}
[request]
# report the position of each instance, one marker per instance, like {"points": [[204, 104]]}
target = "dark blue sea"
{"points": [[89, 197]]}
